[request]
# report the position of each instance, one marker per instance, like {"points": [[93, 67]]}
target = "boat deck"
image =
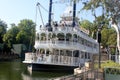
{"points": [[30, 62], [87, 75]]}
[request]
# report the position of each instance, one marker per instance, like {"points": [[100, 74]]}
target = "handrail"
{"points": [[68, 44]]}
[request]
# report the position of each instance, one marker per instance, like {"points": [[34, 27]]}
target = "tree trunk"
{"points": [[117, 28]]}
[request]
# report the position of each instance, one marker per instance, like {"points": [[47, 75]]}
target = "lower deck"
{"points": [[58, 57]]}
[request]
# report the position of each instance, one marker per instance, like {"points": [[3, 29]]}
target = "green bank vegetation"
{"points": [[108, 64], [23, 33], [109, 67]]}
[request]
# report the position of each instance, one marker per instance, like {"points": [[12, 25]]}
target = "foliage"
{"points": [[111, 67], [108, 37], [10, 36], [24, 33], [1, 47], [22, 37], [110, 63], [114, 71], [110, 9], [27, 26], [3, 28], [89, 26]]}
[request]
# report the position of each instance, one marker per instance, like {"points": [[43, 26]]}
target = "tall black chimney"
{"points": [[74, 13], [49, 18]]}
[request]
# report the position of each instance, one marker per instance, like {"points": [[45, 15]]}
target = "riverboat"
{"points": [[62, 46]]}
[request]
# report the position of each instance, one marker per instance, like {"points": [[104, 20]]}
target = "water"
{"points": [[15, 70]]}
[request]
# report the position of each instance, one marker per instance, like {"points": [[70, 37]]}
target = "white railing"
{"points": [[60, 60], [66, 44], [69, 29], [63, 28]]}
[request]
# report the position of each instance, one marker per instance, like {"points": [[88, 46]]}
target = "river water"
{"points": [[16, 70]]}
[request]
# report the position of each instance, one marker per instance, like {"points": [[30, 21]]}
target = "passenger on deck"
{"points": [[55, 24], [40, 26], [47, 26]]}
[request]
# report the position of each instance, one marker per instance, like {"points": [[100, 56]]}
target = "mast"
{"points": [[49, 18], [74, 12]]}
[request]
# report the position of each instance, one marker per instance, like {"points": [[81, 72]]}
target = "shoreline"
{"points": [[8, 57]]}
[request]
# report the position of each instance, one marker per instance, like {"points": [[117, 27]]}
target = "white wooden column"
{"points": [[79, 58], [64, 56], [45, 56], [53, 55], [59, 57], [45, 52], [65, 38], [47, 36], [84, 58], [72, 57], [72, 39], [39, 52], [39, 36]]}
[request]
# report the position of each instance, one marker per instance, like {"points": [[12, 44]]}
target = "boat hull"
{"points": [[53, 68]]}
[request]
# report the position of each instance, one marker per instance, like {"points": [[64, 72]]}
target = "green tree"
{"points": [[3, 29], [108, 37], [89, 26], [23, 33], [27, 33], [22, 37], [10, 36]]}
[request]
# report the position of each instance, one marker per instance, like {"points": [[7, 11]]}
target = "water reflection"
{"points": [[15, 70], [35, 75], [28, 77]]}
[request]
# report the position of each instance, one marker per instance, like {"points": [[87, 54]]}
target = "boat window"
{"points": [[49, 36], [82, 54], [76, 53], [68, 36], [95, 45], [75, 36], [53, 35], [43, 36], [37, 36], [42, 51], [85, 42], [61, 52], [82, 40], [88, 55], [79, 40], [69, 53], [47, 53], [56, 52], [60, 36], [85, 55]]}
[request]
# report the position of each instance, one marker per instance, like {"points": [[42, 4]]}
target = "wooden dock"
{"points": [[87, 75]]}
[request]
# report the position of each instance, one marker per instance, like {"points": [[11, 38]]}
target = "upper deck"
{"points": [[63, 35]]}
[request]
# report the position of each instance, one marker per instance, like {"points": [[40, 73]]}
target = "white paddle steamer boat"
{"points": [[62, 46]]}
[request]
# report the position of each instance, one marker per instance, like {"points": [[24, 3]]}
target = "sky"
{"points": [[12, 11]]}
